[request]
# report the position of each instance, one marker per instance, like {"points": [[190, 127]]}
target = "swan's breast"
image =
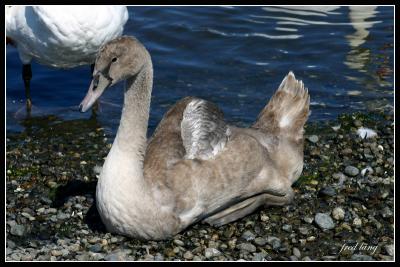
{"points": [[129, 207]]}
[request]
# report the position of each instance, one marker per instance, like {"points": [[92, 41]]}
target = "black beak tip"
{"points": [[81, 108]]}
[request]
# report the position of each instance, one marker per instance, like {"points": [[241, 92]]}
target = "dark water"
{"points": [[236, 57]]}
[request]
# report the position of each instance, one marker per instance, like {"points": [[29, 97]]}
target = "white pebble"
{"points": [[357, 222], [338, 213], [264, 217]]}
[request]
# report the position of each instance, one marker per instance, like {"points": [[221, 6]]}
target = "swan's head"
{"points": [[117, 60]]}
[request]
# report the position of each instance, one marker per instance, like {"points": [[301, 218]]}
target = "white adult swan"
{"points": [[61, 36], [195, 167]]}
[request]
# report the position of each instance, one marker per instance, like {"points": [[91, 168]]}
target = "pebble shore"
{"points": [[343, 207]]}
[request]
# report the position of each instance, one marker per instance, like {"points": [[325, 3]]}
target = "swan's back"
{"points": [[192, 129], [165, 147], [63, 36]]}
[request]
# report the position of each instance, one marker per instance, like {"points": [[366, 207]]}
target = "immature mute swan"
{"points": [[61, 36], [195, 167]]}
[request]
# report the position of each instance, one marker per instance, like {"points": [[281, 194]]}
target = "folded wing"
{"points": [[203, 129]]}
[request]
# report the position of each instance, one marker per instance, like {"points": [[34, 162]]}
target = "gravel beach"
{"points": [[343, 207]]}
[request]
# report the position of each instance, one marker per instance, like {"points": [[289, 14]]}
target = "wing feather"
{"points": [[203, 129]]}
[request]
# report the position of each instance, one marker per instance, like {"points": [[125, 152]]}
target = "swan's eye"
{"points": [[114, 59]]}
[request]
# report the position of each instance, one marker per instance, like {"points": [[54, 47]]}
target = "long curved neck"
{"points": [[131, 136]]}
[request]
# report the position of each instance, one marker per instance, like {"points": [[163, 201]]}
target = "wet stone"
{"points": [[179, 242], [386, 212], [259, 256], [96, 248], [261, 241], [188, 255], [287, 228], [389, 249], [213, 244], [158, 257], [211, 252], [351, 171], [324, 221], [274, 242], [308, 219], [247, 247], [248, 235], [338, 213], [17, 230], [16, 256], [229, 232], [232, 243], [296, 252], [74, 247], [357, 222], [313, 138], [148, 257], [347, 151], [10, 244], [56, 253], [357, 123], [264, 218], [116, 256], [361, 257], [327, 191], [303, 230], [96, 256], [328, 258]]}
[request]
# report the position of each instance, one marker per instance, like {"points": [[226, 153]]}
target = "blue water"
{"points": [[236, 57]]}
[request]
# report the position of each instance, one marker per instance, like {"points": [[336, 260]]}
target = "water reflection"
{"points": [[358, 57], [306, 10], [360, 18], [255, 34]]}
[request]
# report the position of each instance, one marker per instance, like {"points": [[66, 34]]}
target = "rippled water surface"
{"points": [[236, 57]]}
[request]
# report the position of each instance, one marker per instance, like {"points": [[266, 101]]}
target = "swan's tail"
{"points": [[288, 109]]}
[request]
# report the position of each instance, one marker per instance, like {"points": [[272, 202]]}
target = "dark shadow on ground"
{"points": [[76, 188]]}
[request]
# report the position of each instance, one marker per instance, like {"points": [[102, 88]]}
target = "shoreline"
{"points": [[342, 209]]}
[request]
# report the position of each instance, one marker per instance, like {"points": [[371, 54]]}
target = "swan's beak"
{"points": [[97, 87]]}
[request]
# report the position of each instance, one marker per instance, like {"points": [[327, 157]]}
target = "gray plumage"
{"points": [[203, 129]]}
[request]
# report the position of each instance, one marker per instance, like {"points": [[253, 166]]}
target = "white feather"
{"points": [[63, 36], [285, 121], [366, 132], [366, 171]]}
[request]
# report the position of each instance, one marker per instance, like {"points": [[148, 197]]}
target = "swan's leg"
{"points": [[95, 107], [277, 191], [234, 212], [271, 200], [27, 76], [247, 206]]}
